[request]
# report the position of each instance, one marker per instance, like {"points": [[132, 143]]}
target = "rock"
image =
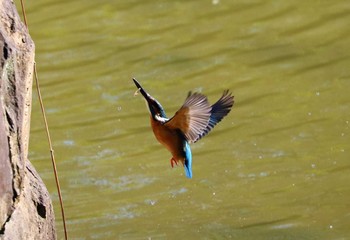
{"points": [[25, 206]]}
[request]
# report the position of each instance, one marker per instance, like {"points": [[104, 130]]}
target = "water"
{"points": [[276, 168]]}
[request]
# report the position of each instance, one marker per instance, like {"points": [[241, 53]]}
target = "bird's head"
{"points": [[155, 108]]}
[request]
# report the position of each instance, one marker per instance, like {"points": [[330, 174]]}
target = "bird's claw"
{"points": [[172, 161]]}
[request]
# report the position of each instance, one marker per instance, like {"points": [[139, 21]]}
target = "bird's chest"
{"points": [[170, 138]]}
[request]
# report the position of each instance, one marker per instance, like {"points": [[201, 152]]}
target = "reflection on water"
{"points": [[276, 168]]}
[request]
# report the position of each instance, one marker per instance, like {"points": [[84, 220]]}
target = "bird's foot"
{"points": [[172, 161]]}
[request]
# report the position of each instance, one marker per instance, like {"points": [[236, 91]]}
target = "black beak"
{"points": [[154, 106], [140, 88]]}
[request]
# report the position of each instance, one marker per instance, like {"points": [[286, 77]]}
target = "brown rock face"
{"points": [[25, 205]]}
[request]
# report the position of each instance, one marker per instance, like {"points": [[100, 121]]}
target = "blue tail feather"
{"points": [[188, 160]]}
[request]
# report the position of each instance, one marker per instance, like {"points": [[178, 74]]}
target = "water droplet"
{"points": [[150, 202], [317, 93]]}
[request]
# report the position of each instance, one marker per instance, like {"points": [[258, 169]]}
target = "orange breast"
{"points": [[170, 138]]}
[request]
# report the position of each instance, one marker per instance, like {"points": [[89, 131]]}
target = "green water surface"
{"points": [[277, 167]]}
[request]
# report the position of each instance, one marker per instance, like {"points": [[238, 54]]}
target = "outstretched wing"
{"points": [[218, 111], [192, 118]]}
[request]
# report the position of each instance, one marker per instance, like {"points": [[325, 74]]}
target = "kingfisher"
{"points": [[190, 123]]}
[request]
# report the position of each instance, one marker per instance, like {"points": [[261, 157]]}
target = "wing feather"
{"points": [[218, 111], [193, 117], [196, 118]]}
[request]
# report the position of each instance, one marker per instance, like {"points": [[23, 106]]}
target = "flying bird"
{"points": [[190, 123]]}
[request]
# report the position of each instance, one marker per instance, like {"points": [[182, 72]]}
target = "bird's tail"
{"points": [[188, 160]]}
